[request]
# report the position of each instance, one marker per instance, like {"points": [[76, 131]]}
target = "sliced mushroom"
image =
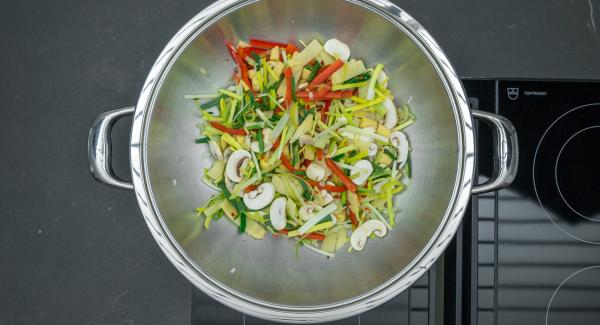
{"points": [[337, 49], [359, 237], [391, 114], [399, 140], [373, 149], [227, 153], [277, 213], [215, 150], [236, 162], [261, 197], [255, 146], [266, 134], [316, 172], [229, 184], [326, 196], [364, 169], [306, 212]]}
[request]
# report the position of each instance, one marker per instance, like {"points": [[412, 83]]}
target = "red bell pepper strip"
{"points": [[276, 143], [286, 163], [291, 48], [319, 154], [325, 111], [323, 91], [312, 235], [241, 65], [225, 129], [288, 81], [352, 217], [250, 188], [322, 77], [342, 177], [265, 44]]}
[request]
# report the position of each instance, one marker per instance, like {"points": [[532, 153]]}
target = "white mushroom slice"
{"points": [[229, 184], [215, 150], [383, 79], [359, 237], [266, 135], [316, 172], [255, 146], [277, 213], [236, 162], [337, 49], [227, 153], [391, 114], [306, 212], [373, 149], [261, 197], [327, 197], [399, 140], [364, 169]]}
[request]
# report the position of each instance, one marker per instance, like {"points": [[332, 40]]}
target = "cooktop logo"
{"points": [[513, 93]]}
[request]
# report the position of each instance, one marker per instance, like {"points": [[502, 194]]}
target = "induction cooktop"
{"points": [[527, 254]]}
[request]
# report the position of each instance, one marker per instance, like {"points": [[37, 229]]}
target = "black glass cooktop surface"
{"points": [[527, 254]]}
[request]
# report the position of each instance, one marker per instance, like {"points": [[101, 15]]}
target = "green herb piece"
{"points": [[210, 104], [261, 143], [361, 77]]}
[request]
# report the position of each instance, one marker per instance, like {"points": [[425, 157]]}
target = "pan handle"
{"points": [[99, 147], [506, 148]]}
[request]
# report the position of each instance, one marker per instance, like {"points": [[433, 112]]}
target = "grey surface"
{"points": [[67, 255]]}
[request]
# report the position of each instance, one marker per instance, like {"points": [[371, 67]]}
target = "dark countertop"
{"points": [[76, 252]]}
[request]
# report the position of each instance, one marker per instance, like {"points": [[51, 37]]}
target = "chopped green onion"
{"points": [[317, 217], [313, 71], [361, 77], [230, 94], [294, 89], [255, 126], [371, 90], [279, 127], [210, 104], [206, 96], [378, 215], [349, 86], [389, 153], [242, 222], [366, 133], [370, 103], [202, 140]]}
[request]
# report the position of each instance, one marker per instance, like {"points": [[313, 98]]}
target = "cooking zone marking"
{"points": [[535, 158]]}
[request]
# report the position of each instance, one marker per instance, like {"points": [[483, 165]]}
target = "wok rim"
{"points": [[318, 313]]}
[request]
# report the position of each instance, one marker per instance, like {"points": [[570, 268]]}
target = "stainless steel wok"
{"points": [[265, 278]]}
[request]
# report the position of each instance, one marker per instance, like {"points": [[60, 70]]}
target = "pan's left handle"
{"points": [[99, 147]]}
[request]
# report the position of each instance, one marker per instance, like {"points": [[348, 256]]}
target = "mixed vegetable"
{"points": [[307, 144]]}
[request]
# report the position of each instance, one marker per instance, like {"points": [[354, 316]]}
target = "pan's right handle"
{"points": [[99, 147], [506, 147]]}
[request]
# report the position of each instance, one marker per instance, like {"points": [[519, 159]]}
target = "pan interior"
{"points": [[270, 270]]}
